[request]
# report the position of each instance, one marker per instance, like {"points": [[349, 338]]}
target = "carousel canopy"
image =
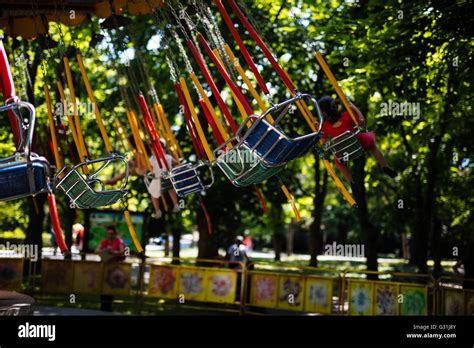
{"points": [[30, 19]]}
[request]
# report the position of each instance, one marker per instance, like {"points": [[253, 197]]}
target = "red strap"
{"points": [[262, 201], [191, 127], [68, 144], [206, 214], [8, 90], [215, 130], [210, 81], [243, 48], [53, 212], [225, 75], [262, 46], [152, 133]]}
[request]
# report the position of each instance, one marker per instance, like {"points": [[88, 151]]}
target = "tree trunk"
{"points": [[368, 230], [278, 237], [315, 236], [207, 248], [34, 230]]}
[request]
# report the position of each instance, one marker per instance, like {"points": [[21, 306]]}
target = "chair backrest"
{"points": [[24, 173], [22, 179], [269, 143], [345, 147]]}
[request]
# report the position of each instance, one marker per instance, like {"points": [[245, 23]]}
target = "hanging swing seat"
{"points": [[242, 168], [186, 178], [269, 143], [262, 149], [88, 191], [25, 173], [345, 147]]}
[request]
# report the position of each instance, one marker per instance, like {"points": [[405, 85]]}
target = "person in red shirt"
{"points": [[337, 122], [116, 249], [115, 245]]}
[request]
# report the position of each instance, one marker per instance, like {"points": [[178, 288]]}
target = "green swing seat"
{"points": [[81, 189], [247, 170], [345, 147]]}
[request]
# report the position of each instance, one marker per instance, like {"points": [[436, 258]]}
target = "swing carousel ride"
{"points": [[249, 149]]}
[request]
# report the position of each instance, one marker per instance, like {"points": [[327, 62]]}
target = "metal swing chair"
{"points": [[86, 190], [262, 149], [25, 173], [186, 178], [345, 147]]}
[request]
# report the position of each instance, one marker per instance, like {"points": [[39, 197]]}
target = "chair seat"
{"points": [[186, 180], [244, 169], [345, 147], [83, 195], [14, 179], [274, 147]]}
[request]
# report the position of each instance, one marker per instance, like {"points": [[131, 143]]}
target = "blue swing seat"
{"points": [[260, 149], [269, 143], [186, 178], [274, 147], [22, 179], [25, 173]]}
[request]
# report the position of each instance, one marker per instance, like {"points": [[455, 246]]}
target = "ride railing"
{"points": [[385, 293], [455, 296], [224, 286]]}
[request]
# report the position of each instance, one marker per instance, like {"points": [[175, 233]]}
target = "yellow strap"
{"points": [[159, 126], [141, 150], [57, 158], [66, 111], [242, 111], [120, 135], [77, 121], [82, 155], [292, 202], [162, 132], [339, 184], [132, 148], [174, 143], [336, 86], [217, 121], [189, 101], [247, 82], [132, 232], [302, 106], [103, 132]]}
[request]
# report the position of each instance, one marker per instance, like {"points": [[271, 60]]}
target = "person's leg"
{"points": [[367, 140], [379, 156], [344, 171], [156, 205], [174, 198]]}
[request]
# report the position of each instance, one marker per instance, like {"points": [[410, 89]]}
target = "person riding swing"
{"points": [[337, 122]]}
